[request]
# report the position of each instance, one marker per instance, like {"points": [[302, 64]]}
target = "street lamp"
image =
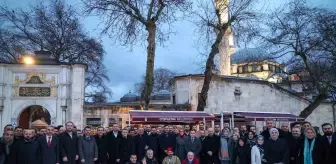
{"points": [[28, 60]]}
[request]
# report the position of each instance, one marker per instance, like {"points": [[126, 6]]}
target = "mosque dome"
{"points": [[250, 55], [161, 95], [129, 97]]}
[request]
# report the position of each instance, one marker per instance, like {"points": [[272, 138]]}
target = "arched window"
{"points": [[245, 69]]}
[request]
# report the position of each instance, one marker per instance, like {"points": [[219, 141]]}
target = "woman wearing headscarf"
{"points": [[276, 149], [257, 152], [233, 143], [243, 152], [224, 148], [313, 148], [251, 140], [180, 145]]}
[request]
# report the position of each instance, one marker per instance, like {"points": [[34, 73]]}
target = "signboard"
{"points": [[34, 91], [93, 121], [14, 124], [170, 119]]}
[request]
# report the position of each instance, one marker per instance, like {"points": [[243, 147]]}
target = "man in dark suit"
{"points": [[141, 144], [203, 152], [113, 142], [330, 136], [126, 147], [26, 150], [166, 140], [49, 147], [193, 144], [68, 145], [101, 144]]}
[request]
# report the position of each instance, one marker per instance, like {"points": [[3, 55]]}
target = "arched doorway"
{"points": [[34, 116]]}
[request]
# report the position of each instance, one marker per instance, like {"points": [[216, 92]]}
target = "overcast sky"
{"points": [[126, 67]]}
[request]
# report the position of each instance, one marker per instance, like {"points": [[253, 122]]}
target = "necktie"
{"points": [[330, 139], [192, 140], [49, 141]]}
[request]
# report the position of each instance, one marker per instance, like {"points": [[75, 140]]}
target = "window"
{"points": [[245, 69], [255, 68], [174, 99], [240, 69], [93, 121], [115, 121], [271, 68], [277, 69]]}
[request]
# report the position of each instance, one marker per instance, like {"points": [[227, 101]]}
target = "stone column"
{"points": [[77, 95], [64, 109]]}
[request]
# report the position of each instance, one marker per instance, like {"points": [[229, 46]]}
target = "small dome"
{"points": [[250, 55], [161, 95], [129, 97]]}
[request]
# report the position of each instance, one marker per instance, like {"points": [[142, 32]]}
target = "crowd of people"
{"points": [[297, 143]]}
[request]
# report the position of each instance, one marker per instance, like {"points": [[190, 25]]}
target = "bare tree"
{"points": [[217, 20], [162, 77], [298, 32], [56, 28], [133, 21]]}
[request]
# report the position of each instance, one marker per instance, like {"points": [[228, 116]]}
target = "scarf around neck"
{"points": [[224, 149], [308, 151]]}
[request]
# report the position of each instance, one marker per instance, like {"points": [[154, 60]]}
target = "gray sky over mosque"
{"points": [[180, 54]]}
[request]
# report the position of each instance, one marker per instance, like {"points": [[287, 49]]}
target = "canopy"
{"points": [[262, 116], [160, 117]]}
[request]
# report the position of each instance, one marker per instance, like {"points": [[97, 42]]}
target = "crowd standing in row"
{"points": [[295, 144]]}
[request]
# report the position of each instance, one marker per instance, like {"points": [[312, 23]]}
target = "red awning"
{"points": [[157, 117], [262, 116]]}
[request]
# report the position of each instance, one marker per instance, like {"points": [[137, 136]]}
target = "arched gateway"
{"points": [[40, 94], [34, 116]]}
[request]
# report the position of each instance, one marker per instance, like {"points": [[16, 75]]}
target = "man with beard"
{"points": [[87, 147], [266, 133], [202, 155], [18, 133], [153, 143], [7, 144], [243, 131], [166, 140], [69, 145], [294, 146], [211, 147], [101, 144], [49, 147], [26, 150], [126, 147], [149, 158], [285, 134], [331, 138], [217, 130], [141, 144], [187, 130], [193, 144], [148, 130], [113, 142]]}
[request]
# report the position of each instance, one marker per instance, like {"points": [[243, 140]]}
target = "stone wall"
{"points": [[255, 96]]}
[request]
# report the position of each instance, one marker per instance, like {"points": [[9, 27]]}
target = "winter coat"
{"points": [[180, 149], [87, 148]]}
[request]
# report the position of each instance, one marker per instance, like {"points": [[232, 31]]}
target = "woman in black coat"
{"points": [[243, 152], [313, 148]]}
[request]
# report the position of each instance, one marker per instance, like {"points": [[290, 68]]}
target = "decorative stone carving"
{"points": [[34, 92], [35, 78]]}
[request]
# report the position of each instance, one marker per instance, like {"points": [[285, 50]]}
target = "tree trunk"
{"points": [[202, 98], [151, 28], [311, 107]]}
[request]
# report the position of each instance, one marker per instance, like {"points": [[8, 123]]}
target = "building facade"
{"points": [[52, 93], [228, 93]]}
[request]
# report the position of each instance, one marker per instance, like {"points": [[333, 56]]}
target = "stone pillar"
{"points": [[64, 109], [77, 95]]}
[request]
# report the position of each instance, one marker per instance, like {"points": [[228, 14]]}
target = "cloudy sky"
{"points": [[125, 66]]}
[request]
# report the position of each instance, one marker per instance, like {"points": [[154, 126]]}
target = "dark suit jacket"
{"points": [[194, 147], [331, 149], [113, 146], [68, 147], [26, 152], [49, 155]]}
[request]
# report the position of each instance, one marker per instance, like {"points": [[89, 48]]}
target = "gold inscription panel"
{"points": [[34, 92]]}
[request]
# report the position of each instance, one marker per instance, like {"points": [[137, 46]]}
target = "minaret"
{"points": [[226, 47]]}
